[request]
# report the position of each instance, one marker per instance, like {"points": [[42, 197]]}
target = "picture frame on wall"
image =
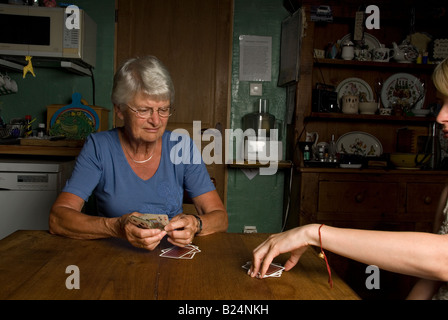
{"points": [[291, 40]]}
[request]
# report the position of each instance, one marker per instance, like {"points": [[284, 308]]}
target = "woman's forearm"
{"points": [[212, 212], [215, 221], [73, 224], [422, 255], [66, 219]]}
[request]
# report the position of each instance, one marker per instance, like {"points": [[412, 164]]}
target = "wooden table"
{"points": [[33, 266]]}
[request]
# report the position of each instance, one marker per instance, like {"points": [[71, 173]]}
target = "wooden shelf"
{"points": [[412, 67], [247, 165], [368, 117], [373, 171]]}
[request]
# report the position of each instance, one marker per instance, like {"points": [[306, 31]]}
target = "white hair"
{"points": [[147, 75]]}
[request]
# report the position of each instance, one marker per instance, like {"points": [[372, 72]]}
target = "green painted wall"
{"points": [[257, 202], [56, 86]]}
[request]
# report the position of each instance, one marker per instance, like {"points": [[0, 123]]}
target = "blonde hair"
{"points": [[147, 75], [440, 77]]}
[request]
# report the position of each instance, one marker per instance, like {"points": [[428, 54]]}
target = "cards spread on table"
{"points": [[175, 252], [274, 270], [150, 221]]}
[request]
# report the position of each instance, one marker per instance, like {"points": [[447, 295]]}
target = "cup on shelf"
{"points": [[13, 87], [319, 53], [9, 85], [348, 50], [350, 104], [382, 54], [362, 55]]}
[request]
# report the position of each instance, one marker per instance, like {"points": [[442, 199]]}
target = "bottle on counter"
{"points": [[306, 154], [332, 149], [28, 126], [41, 130], [321, 153]]}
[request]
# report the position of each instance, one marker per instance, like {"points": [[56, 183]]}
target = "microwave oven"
{"points": [[41, 32]]}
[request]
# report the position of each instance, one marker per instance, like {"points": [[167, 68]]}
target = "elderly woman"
{"points": [[131, 171]]}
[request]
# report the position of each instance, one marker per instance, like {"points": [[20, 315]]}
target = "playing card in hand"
{"points": [[150, 221]]}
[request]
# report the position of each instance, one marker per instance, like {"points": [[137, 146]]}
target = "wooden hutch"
{"points": [[366, 198]]}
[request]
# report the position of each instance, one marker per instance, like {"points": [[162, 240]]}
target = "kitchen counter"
{"points": [[39, 150]]}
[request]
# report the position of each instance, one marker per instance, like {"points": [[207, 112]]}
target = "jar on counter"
{"points": [[348, 50], [41, 130]]}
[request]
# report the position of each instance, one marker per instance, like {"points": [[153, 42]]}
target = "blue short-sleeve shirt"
{"points": [[102, 168]]}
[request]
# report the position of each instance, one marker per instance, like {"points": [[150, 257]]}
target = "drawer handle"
{"points": [[427, 200]]}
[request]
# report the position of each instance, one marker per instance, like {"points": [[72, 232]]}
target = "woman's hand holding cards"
{"points": [[141, 236], [147, 239], [181, 230], [295, 241], [147, 230]]}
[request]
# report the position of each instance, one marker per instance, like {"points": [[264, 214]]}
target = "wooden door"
{"points": [[193, 39]]}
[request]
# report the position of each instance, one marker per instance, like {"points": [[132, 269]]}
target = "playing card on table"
{"points": [[274, 270], [175, 252]]}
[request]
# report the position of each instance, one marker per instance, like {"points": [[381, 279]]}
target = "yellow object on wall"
{"points": [[28, 67]]}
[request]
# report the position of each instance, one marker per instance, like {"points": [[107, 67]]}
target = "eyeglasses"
{"points": [[145, 113]]}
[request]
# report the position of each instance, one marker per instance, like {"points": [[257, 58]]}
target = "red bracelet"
{"points": [[323, 256]]}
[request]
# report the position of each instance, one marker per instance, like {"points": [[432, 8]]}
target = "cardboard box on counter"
{"points": [[101, 115]]}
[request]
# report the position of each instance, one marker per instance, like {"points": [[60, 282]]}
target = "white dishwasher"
{"points": [[28, 189]]}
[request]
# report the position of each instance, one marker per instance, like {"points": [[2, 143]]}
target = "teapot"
{"points": [[403, 53], [398, 54], [312, 137]]}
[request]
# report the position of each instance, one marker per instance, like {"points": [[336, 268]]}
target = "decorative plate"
{"points": [[369, 43], [359, 143], [74, 121], [402, 89], [354, 86]]}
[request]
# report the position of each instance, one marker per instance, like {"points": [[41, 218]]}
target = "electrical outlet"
{"points": [[250, 229], [256, 89]]}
